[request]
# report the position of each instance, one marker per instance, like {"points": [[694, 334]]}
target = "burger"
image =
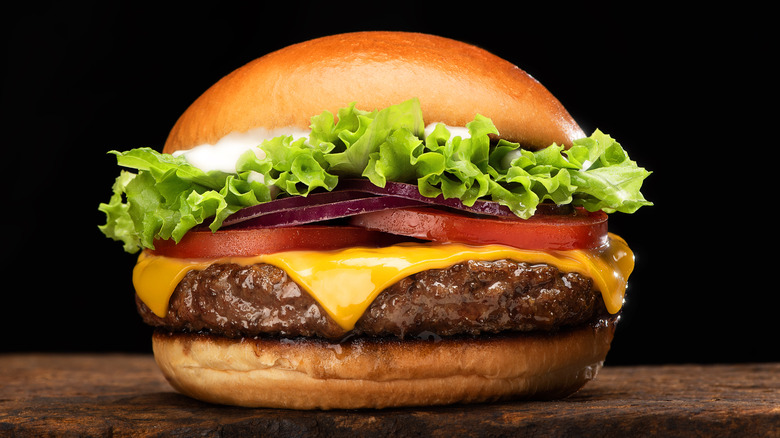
{"points": [[372, 220]]}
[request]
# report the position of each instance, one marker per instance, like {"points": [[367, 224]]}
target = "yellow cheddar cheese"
{"points": [[345, 282]]}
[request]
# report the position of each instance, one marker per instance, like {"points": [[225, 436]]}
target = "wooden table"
{"points": [[121, 395]]}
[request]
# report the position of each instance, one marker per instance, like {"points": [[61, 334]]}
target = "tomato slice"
{"points": [[247, 242], [577, 230]]}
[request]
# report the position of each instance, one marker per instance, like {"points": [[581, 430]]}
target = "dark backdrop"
{"points": [[685, 92]]}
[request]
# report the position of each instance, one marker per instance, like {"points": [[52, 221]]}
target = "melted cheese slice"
{"points": [[345, 282]]}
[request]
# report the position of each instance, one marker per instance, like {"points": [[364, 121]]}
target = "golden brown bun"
{"points": [[454, 81], [315, 374]]}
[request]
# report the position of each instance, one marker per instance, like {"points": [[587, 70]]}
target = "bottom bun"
{"points": [[369, 373]]}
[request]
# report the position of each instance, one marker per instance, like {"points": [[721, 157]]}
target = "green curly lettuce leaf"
{"points": [[167, 196]]}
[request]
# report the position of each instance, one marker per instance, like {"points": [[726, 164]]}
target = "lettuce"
{"points": [[167, 196]]}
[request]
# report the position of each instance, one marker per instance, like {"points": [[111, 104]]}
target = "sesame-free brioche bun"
{"points": [[366, 373], [453, 80]]}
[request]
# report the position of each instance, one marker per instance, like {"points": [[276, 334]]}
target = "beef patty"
{"points": [[469, 298]]}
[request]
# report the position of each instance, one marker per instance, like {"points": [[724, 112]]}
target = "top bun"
{"points": [[453, 81]]}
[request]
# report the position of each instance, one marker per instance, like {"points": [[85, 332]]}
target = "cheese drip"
{"points": [[345, 282]]}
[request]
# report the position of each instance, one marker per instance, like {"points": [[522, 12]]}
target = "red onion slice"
{"points": [[410, 191], [292, 203], [351, 197], [325, 211]]}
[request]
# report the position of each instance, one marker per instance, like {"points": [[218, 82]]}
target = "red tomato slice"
{"points": [[254, 241], [579, 230]]}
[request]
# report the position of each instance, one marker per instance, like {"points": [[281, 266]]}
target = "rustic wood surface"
{"points": [[121, 395]]}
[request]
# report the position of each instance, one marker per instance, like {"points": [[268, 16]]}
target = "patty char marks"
{"points": [[472, 297]]}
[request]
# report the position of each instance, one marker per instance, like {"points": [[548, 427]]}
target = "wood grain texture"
{"points": [[121, 395]]}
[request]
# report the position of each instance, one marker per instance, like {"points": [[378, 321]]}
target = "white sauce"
{"points": [[511, 156], [225, 153], [455, 131]]}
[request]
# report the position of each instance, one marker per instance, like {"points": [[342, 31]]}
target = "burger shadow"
{"points": [[170, 413], [173, 400]]}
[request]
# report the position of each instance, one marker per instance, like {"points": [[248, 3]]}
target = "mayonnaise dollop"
{"points": [[224, 154], [455, 131]]}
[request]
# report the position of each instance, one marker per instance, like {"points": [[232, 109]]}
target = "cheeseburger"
{"points": [[377, 219]]}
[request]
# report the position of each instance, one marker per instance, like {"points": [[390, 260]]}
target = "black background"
{"points": [[686, 92]]}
